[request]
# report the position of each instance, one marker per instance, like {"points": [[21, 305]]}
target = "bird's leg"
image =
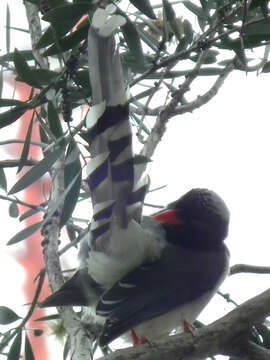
{"points": [[137, 340], [188, 327]]}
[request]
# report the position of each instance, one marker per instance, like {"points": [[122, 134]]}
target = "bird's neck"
{"points": [[191, 238]]}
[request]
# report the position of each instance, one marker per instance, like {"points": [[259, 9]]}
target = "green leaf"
{"points": [[52, 34], [27, 55], [143, 94], [24, 71], [141, 159], [258, 28], [66, 349], [8, 29], [145, 7], [10, 116], [263, 4], [37, 171], [133, 42], [265, 334], [19, 29], [15, 349], [28, 352], [67, 13], [195, 9], [13, 210], [54, 123], [82, 78], [43, 77], [26, 146], [70, 41], [10, 102], [7, 315], [20, 64], [72, 170], [172, 19], [25, 233], [28, 213], [3, 180]]}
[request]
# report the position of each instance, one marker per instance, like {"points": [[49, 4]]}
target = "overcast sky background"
{"points": [[223, 146]]}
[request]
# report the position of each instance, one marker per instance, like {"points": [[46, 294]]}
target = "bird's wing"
{"points": [[111, 172], [177, 278]]}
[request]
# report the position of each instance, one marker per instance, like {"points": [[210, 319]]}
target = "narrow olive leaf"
{"points": [[3, 180], [66, 349], [141, 159], [37, 171], [72, 170], [28, 214], [143, 94], [7, 316], [15, 349], [44, 77], [13, 210], [258, 28], [33, 77], [265, 334], [55, 123], [19, 29], [25, 233], [53, 33], [10, 116], [66, 13], [28, 352], [8, 29], [23, 69], [26, 146], [195, 9], [9, 102], [145, 7], [69, 41], [172, 19], [134, 43], [27, 54]]}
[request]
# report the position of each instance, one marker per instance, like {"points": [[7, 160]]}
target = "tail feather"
{"points": [[111, 173]]}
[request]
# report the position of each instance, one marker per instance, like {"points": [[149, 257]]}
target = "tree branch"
{"points": [[251, 269], [220, 337]]}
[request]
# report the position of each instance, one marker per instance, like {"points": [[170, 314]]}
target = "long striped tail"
{"points": [[116, 193]]}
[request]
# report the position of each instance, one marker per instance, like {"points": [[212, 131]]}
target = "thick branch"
{"points": [[80, 343], [219, 337], [35, 32]]}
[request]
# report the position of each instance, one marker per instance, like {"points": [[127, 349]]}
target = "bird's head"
{"points": [[198, 219]]}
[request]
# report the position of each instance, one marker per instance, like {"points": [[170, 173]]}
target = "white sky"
{"points": [[223, 146]]}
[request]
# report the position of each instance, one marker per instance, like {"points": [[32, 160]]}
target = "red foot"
{"points": [[137, 340], [188, 328]]}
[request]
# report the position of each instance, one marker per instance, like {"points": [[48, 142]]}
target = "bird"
{"points": [[141, 277]]}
